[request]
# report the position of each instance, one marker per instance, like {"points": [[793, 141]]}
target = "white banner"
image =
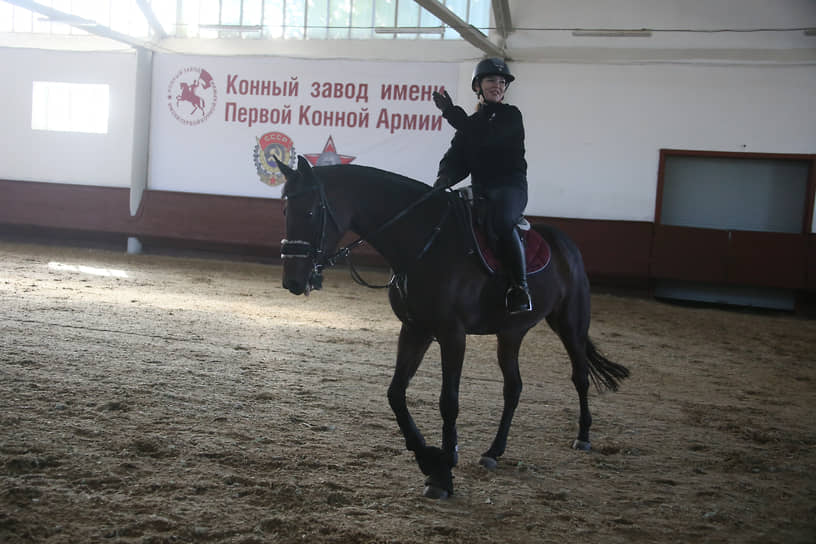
{"points": [[217, 121]]}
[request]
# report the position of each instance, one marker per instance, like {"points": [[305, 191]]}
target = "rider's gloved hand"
{"points": [[442, 101]]}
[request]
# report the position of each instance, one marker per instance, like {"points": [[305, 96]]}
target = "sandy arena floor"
{"points": [[191, 400]]}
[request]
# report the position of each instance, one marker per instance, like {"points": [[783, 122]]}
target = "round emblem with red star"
{"points": [[273, 144]]}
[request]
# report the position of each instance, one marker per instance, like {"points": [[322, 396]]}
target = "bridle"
{"points": [[303, 249]]}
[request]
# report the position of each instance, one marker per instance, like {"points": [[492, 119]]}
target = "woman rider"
{"points": [[489, 145]]}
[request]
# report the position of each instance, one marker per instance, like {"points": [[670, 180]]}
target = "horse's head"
{"points": [[311, 230]]}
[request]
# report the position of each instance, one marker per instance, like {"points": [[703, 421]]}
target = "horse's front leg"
{"points": [[435, 463], [413, 343], [509, 344]]}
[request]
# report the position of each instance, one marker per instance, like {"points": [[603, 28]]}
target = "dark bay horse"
{"points": [[443, 293]]}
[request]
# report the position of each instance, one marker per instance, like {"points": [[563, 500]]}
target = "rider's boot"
{"points": [[518, 294]]}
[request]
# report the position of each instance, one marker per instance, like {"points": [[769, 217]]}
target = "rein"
{"points": [[346, 250], [317, 254]]}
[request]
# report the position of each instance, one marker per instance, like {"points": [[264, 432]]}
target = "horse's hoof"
{"points": [[434, 492], [488, 462], [581, 445]]}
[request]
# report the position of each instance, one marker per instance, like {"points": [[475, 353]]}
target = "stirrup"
{"points": [[518, 300]]}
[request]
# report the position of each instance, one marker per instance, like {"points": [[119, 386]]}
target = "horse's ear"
{"points": [[287, 172], [304, 170], [303, 166]]}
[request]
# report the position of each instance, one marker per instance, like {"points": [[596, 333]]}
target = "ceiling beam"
{"points": [[501, 14], [470, 33], [152, 20], [92, 27]]}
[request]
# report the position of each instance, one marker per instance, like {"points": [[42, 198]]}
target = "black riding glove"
{"points": [[456, 116], [442, 101]]}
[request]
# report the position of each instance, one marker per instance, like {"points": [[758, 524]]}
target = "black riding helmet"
{"points": [[490, 67]]}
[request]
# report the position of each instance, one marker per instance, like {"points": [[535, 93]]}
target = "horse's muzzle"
{"points": [[297, 255], [296, 288], [314, 281]]}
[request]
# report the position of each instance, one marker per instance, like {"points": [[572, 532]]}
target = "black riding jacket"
{"points": [[488, 145]]}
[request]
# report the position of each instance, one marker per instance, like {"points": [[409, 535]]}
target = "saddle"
{"points": [[537, 250]]}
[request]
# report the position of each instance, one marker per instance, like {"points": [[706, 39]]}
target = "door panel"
{"points": [[688, 253], [738, 219], [770, 259]]}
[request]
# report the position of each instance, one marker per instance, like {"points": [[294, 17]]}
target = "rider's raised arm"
{"points": [[454, 167]]}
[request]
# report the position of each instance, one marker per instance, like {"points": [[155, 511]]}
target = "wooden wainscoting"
{"points": [[617, 251]]}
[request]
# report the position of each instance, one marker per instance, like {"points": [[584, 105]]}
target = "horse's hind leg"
{"points": [[580, 378], [509, 344], [572, 327]]}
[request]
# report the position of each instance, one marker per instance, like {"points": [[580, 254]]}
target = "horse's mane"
{"points": [[382, 176]]}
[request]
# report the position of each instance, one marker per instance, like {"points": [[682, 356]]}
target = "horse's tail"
{"points": [[605, 374]]}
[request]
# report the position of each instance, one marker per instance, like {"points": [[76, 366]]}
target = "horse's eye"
{"points": [[310, 213]]}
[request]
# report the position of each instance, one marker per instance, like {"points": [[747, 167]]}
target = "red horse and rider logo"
{"points": [[194, 87], [188, 94]]}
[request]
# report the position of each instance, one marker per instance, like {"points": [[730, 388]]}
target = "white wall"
{"points": [[594, 131], [87, 159]]}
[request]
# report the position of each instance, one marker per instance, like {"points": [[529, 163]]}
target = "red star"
{"points": [[328, 156]]}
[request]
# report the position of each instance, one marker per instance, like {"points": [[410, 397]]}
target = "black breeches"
{"points": [[505, 206]]}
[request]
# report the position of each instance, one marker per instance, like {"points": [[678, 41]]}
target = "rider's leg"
{"points": [[518, 295], [507, 206]]}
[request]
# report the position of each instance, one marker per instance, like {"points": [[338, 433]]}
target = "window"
{"points": [[70, 107], [323, 19], [735, 193], [253, 19], [121, 16]]}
